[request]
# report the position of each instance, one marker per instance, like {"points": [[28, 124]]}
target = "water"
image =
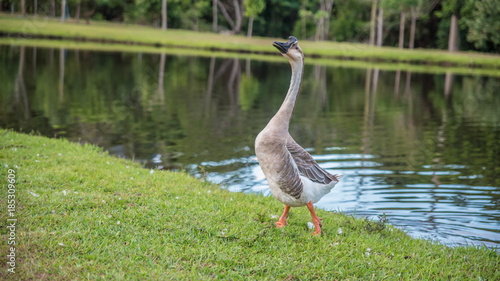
{"points": [[422, 148]]}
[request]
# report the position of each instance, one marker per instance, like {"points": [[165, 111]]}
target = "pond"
{"points": [[421, 148]]}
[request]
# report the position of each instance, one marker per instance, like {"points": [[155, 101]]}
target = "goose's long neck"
{"points": [[284, 114]]}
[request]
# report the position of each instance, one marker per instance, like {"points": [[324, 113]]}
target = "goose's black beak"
{"points": [[284, 46]]}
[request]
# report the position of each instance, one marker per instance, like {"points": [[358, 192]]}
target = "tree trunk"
{"points": [[372, 22], [303, 20], [326, 27], [63, 9], [319, 30], [380, 23], [196, 25], [250, 27], [402, 20], [226, 15], [238, 11], [214, 16], [412, 28], [23, 8], [453, 38], [53, 8], [320, 24], [35, 8], [87, 14], [164, 14], [77, 13]]}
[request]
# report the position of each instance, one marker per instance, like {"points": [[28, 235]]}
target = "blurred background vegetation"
{"points": [[442, 24]]}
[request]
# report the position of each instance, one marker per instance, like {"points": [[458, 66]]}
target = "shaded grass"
{"points": [[142, 35], [86, 215]]}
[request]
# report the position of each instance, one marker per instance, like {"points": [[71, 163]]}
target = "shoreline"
{"points": [[153, 224], [120, 34]]}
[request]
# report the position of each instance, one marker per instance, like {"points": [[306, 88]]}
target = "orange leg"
{"points": [[282, 221], [315, 219]]}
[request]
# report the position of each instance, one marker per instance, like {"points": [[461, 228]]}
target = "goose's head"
{"points": [[290, 49]]}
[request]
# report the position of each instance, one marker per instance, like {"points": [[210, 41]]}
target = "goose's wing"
{"points": [[307, 166], [289, 181]]}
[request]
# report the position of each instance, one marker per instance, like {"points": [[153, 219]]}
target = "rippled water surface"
{"points": [[422, 148]]}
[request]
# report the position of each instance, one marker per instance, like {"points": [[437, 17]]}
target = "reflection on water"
{"points": [[422, 148]]}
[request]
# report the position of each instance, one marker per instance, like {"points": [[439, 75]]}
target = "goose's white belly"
{"points": [[312, 192]]}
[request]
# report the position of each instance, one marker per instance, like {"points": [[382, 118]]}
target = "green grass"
{"points": [[142, 35], [83, 214]]}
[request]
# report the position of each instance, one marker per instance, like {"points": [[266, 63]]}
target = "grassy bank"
{"points": [[83, 214], [114, 33]]}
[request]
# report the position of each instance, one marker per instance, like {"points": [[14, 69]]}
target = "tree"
{"points": [[63, 10], [453, 37], [164, 14], [402, 20], [53, 8], [318, 12], [326, 7], [452, 26], [349, 21], [214, 16], [77, 12], [401, 7], [380, 22], [89, 11], [373, 22], [484, 26], [418, 8], [413, 26], [23, 8], [305, 15], [451, 9], [319, 19], [253, 8], [237, 9]]}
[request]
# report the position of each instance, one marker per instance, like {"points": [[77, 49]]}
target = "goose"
{"points": [[294, 177]]}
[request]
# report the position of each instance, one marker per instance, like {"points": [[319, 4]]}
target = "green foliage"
{"points": [[254, 8], [278, 18], [477, 21], [484, 25], [304, 27], [399, 5], [462, 9], [350, 21]]}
